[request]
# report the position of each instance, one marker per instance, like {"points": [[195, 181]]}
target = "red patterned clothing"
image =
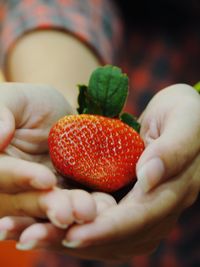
{"points": [[88, 20], [159, 45]]}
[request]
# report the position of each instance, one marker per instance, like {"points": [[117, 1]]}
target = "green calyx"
{"points": [[131, 121], [106, 95], [197, 87]]}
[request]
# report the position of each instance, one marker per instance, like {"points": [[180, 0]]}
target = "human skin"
{"points": [[138, 223], [28, 181], [54, 58], [165, 187], [27, 112]]}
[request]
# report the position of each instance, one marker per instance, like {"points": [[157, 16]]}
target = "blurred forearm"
{"points": [[51, 57]]}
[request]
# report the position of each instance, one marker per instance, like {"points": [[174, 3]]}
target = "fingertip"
{"points": [[3, 235], [43, 179], [66, 207], [103, 228], [87, 234], [84, 206], [76, 237], [33, 232], [150, 174], [57, 206], [12, 226], [58, 222], [30, 236], [103, 201], [7, 223]]}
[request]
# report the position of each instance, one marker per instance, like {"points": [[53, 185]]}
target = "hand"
{"points": [[170, 127], [26, 115], [168, 182], [27, 112], [64, 208]]}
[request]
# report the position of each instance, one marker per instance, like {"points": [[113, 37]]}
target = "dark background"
{"points": [[168, 13]]}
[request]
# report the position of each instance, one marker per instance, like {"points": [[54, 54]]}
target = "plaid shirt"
{"points": [[161, 46]]}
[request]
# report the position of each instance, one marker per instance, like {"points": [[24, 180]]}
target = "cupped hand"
{"points": [[171, 131], [27, 178], [26, 114], [168, 182], [64, 208]]}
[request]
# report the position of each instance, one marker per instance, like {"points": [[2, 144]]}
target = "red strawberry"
{"points": [[101, 150], [95, 151]]}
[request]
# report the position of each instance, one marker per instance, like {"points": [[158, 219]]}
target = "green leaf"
{"points": [[86, 105], [108, 89], [197, 87], [82, 98], [131, 121]]}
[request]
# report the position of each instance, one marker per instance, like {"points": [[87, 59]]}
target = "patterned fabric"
{"points": [[80, 18], [161, 46]]}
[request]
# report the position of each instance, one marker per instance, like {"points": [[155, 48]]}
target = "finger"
{"points": [[7, 127], [55, 205], [22, 204], [83, 205], [40, 235], [130, 217], [11, 227], [110, 226], [47, 236], [65, 207], [20, 175], [174, 139], [58, 207], [31, 141], [103, 201]]}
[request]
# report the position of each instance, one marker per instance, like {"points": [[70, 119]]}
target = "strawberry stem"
{"points": [[106, 93]]}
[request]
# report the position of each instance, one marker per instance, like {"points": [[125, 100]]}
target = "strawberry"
{"points": [[95, 151], [97, 148]]}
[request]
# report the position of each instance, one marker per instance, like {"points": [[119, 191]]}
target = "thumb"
{"points": [[170, 153], [7, 127]]}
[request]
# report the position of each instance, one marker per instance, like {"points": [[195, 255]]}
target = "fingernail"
{"points": [[52, 216], [26, 246], [71, 244], [3, 235], [6, 224], [150, 174]]}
